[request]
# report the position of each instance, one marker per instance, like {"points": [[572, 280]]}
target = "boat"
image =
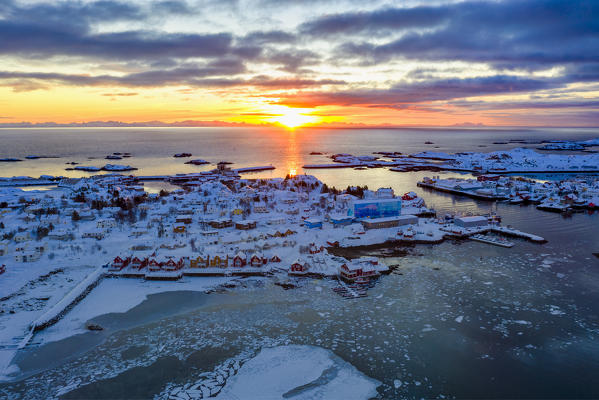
{"points": [[113, 157], [10, 159], [197, 162], [179, 155]]}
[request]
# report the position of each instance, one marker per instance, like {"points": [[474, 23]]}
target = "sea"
{"points": [[459, 319]]}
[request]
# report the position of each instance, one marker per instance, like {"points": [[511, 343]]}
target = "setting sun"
{"points": [[294, 117]]}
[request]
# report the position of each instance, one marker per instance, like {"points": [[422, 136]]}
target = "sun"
{"points": [[294, 117]]}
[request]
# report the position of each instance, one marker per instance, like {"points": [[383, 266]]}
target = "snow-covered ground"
{"points": [[509, 161], [118, 296]]}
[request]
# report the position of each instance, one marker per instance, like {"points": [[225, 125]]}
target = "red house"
{"points": [[357, 271], [275, 259], [257, 260], [172, 265], [138, 263], [119, 263], [239, 260], [299, 267], [154, 265]]}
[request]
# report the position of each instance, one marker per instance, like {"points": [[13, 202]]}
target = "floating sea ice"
{"points": [[397, 383], [555, 310], [560, 275], [316, 373], [459, 319]]}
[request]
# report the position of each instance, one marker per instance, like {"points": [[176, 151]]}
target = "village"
{"points": [[217, 224], [213, 224], [568, 195]]}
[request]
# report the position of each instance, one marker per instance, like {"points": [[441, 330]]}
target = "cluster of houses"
{"points": [[213, 221], [580, 192]]}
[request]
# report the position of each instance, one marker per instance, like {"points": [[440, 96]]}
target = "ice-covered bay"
{"points": [[298, 372]]}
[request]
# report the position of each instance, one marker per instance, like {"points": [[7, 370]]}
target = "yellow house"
{"points": [[220, 262], [237, 211], [200, 262], [179, 229]]}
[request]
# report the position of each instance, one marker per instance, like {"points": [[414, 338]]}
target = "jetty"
{"points": [[253, 169], [58, 310], [491, 240]]}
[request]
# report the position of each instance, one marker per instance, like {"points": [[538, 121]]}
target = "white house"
{"points": [[27, 256], [106, 223], [21, 237]]}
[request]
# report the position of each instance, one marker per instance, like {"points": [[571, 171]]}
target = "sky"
{"points": [[345, 63]]}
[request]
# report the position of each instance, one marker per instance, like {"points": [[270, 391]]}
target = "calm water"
{"points": [[529, 315], [153, 148]]}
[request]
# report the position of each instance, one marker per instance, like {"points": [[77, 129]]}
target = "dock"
{"points": [[492, 241], [516, 233], [336, 165], [254, 169]]}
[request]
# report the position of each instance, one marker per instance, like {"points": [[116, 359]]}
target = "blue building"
{"points": [[375, 208], [313, 223], [340, 219]]}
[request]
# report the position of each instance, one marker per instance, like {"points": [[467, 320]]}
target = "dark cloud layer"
{"points": [[421, 92], [506, 35], [511, 34]]}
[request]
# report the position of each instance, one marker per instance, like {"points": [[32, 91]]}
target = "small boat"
{"points": [[179, 155], [197, 162], [113, 157]]}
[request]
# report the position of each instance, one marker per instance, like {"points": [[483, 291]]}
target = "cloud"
{"points": [[511, 34], [376, 21], [527, 105], [420, 92], [190, 76], [122, 94]]}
